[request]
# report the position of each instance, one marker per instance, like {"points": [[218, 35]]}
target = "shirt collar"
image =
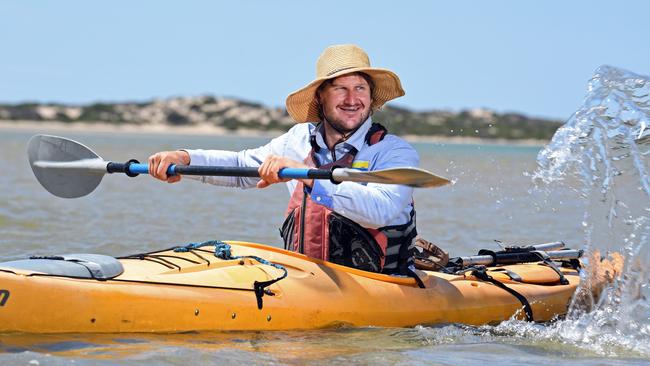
{"points": [[357, 140]]}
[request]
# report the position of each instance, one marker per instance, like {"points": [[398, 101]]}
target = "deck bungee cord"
{"points": [[224, 251]]}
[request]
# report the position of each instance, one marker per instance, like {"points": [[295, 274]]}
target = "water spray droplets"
{"points": [[605, 145]]}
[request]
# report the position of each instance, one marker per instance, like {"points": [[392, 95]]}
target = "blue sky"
{"points": [[533, 57]]}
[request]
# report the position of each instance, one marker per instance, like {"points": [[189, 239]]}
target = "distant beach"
{"points": [[207, 129]]}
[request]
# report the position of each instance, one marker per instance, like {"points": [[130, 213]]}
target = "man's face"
{"points": [[346, 102]]}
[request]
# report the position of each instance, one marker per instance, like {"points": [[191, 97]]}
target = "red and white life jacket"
{"points": [[318, 232]]}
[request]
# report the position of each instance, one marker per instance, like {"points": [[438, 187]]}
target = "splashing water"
{"points": [[605, 148]]}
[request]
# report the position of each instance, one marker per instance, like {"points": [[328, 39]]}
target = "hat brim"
{"points": [[303, 107]]}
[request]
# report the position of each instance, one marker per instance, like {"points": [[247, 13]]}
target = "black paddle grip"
{"points": [[320, 174], [113, 167]]}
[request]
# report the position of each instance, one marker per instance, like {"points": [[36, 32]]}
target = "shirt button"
{"points": [[318, 199]]}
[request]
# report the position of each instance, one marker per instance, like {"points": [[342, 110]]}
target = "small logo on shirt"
{"points": [[360, 164]]}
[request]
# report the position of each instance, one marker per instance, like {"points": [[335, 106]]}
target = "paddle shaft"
{"points": [[134, 168]]}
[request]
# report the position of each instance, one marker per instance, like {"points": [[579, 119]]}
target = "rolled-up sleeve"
{"points": [[244, 158]]}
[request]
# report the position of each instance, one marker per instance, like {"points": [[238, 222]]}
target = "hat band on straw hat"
{"points": [[339, 70], [302, 104]]}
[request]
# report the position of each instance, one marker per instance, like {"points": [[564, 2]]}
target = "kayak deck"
{"points": [[169, 291]]}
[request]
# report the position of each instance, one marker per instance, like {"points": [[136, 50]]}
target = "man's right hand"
{"points": [[159, 162], [271, 167]]}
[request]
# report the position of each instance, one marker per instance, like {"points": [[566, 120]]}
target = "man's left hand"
{"points": [[272, 165]]}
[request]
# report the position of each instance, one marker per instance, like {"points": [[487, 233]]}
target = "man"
{"points": [[365, 226]]}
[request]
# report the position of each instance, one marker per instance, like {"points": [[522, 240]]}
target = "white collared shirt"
{"points": [[371, 205]]}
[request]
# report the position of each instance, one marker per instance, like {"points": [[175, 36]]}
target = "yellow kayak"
{"points": [[170, 291]]}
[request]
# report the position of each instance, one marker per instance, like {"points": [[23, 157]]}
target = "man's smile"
{"points": [[350, 109]]}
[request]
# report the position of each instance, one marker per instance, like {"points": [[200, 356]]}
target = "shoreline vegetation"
{"points": [[207, 115]]}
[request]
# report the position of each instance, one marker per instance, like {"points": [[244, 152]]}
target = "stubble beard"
{"points": [[339, 125]]}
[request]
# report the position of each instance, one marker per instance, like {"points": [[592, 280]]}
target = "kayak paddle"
{"points": [[69, 169]]}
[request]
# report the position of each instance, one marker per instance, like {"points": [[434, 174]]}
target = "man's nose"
{"points": [[349, 98]]}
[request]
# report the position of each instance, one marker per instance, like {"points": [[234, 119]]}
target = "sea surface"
{"points": [[588, 188]]}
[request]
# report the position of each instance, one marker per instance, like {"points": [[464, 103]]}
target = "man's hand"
{"points": [[159, 162], [272, 165]]}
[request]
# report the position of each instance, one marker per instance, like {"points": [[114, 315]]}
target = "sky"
{"points": [[530, 57]]}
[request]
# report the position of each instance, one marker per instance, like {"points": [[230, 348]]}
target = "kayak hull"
{"points": [[214, 294]]}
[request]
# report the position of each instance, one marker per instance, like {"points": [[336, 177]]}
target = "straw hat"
{"points": [[336, 61]]}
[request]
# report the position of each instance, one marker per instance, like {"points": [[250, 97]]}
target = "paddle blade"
{"points": [[414, 177], [64, 167]]}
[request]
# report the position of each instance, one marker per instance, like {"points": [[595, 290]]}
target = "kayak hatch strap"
{"points": [[546, 260], [513, 276], [223, 251], [481, 274]]}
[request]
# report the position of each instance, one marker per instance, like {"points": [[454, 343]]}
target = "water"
{"points": [[574, 191]]}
